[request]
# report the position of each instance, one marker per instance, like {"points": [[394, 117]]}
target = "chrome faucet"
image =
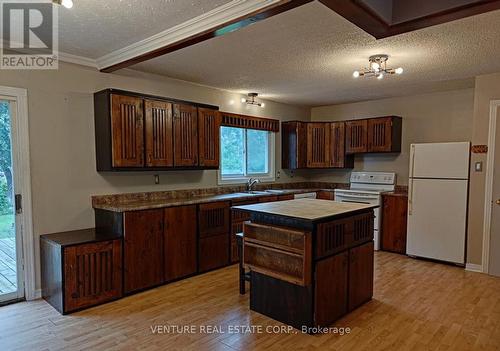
{"points": [[251, 182]]}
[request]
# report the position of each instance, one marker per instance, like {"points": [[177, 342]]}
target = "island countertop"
{"points": [[312, 210]]}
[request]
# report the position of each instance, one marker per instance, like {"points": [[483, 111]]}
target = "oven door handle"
{"points": [[339, 196]]}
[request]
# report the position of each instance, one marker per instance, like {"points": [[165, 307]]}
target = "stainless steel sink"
{"points": [[255, 192], [271, 191]]}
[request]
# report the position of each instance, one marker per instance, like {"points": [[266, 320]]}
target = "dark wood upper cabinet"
{"points": [[159, 135], [384, 134], [314, 145], [127, 130], [356, 136], [338, 157], [294, 145], [394, 219], [185, 135], [138, 132], [143, 249], [180, 242], [318, 145], [209, 122]]}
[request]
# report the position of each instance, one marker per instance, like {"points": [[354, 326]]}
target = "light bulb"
{"points": [[375, 66], [380, 76], [67, 3], [262, 105], [399, 70], [355, 74], [243, 100]]}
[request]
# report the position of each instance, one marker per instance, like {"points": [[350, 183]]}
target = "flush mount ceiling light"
{"points": [[378, 68], [251, 100], [66, 3]]}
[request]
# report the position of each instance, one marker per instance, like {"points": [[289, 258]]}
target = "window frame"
{"points": [[263, 177]]}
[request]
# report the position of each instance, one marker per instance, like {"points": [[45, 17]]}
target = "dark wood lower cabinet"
{"points": [[180, 242], [331, 289], [80, 269], [360, 275], [213, 252], [143, 249], [394, 221]]}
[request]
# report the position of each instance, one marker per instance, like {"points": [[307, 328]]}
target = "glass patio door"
{"points": [[11, 274]]}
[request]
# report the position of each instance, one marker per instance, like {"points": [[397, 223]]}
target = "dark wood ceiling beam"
{"points": [[220, 30], [368, 20]]}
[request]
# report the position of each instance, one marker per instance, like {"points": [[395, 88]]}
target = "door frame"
{"points": [[488, 198], [22, 183]]}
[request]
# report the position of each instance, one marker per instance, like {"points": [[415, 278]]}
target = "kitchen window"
{"points": [[245, 154]]}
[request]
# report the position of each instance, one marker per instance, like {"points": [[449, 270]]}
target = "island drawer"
{"points": [[279, 237], [278, 252]]}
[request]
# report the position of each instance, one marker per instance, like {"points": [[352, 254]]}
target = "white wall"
{"points": [[61, 118], [436, 117]]}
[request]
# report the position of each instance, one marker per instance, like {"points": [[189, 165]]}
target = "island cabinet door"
{"points": [[143, 249], [360, 275], [330, 292], [180, 242]]}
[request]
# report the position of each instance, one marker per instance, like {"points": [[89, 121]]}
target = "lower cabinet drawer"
{"points": [[213, 252], [92, 274]]}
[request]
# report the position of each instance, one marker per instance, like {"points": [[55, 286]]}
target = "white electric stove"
{"points": [[366, 188]]}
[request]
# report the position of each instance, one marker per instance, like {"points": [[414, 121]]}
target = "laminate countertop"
{"points": [[143, 204], [306, 209]]}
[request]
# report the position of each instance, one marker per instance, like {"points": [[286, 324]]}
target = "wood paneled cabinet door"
{"points": [[127, 131], [159, 134], [318, 141], [92, 274], [143, 249], [356, 136], [379, 134], [185, 135], [180, 242], [209, 122], [360, 275], [384, 134], [214, 232], [394, 220], [330, 290], [338, 157]]}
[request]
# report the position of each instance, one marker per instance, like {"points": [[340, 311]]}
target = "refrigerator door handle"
{"points": [[412, 160], [410, 197]]}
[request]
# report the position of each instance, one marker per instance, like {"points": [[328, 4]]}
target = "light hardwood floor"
{"points": [[418, 305]]}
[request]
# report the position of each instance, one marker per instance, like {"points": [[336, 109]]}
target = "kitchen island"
{"points": [[311, 260]]}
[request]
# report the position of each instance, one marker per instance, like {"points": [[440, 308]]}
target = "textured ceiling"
{"points": [[306, 56], [93, 28]]}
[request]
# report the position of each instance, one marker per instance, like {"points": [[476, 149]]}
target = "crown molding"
{"points": [[79, 60], [205, 22]]}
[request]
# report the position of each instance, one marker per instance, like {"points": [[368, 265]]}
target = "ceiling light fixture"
{"points": [[66, 3], [251, 100], [378, 68]]}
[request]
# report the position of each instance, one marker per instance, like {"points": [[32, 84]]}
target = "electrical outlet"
{"points": [[157, 179]]}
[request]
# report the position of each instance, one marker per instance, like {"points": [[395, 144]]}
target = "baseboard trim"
{"points": [[474, 268], [37, 294]]}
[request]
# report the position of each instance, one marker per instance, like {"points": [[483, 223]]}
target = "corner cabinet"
{"points": [[142, 132], [314, 145], [374, 135]]}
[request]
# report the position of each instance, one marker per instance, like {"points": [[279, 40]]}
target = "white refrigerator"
{"points": [[437, 201]]}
